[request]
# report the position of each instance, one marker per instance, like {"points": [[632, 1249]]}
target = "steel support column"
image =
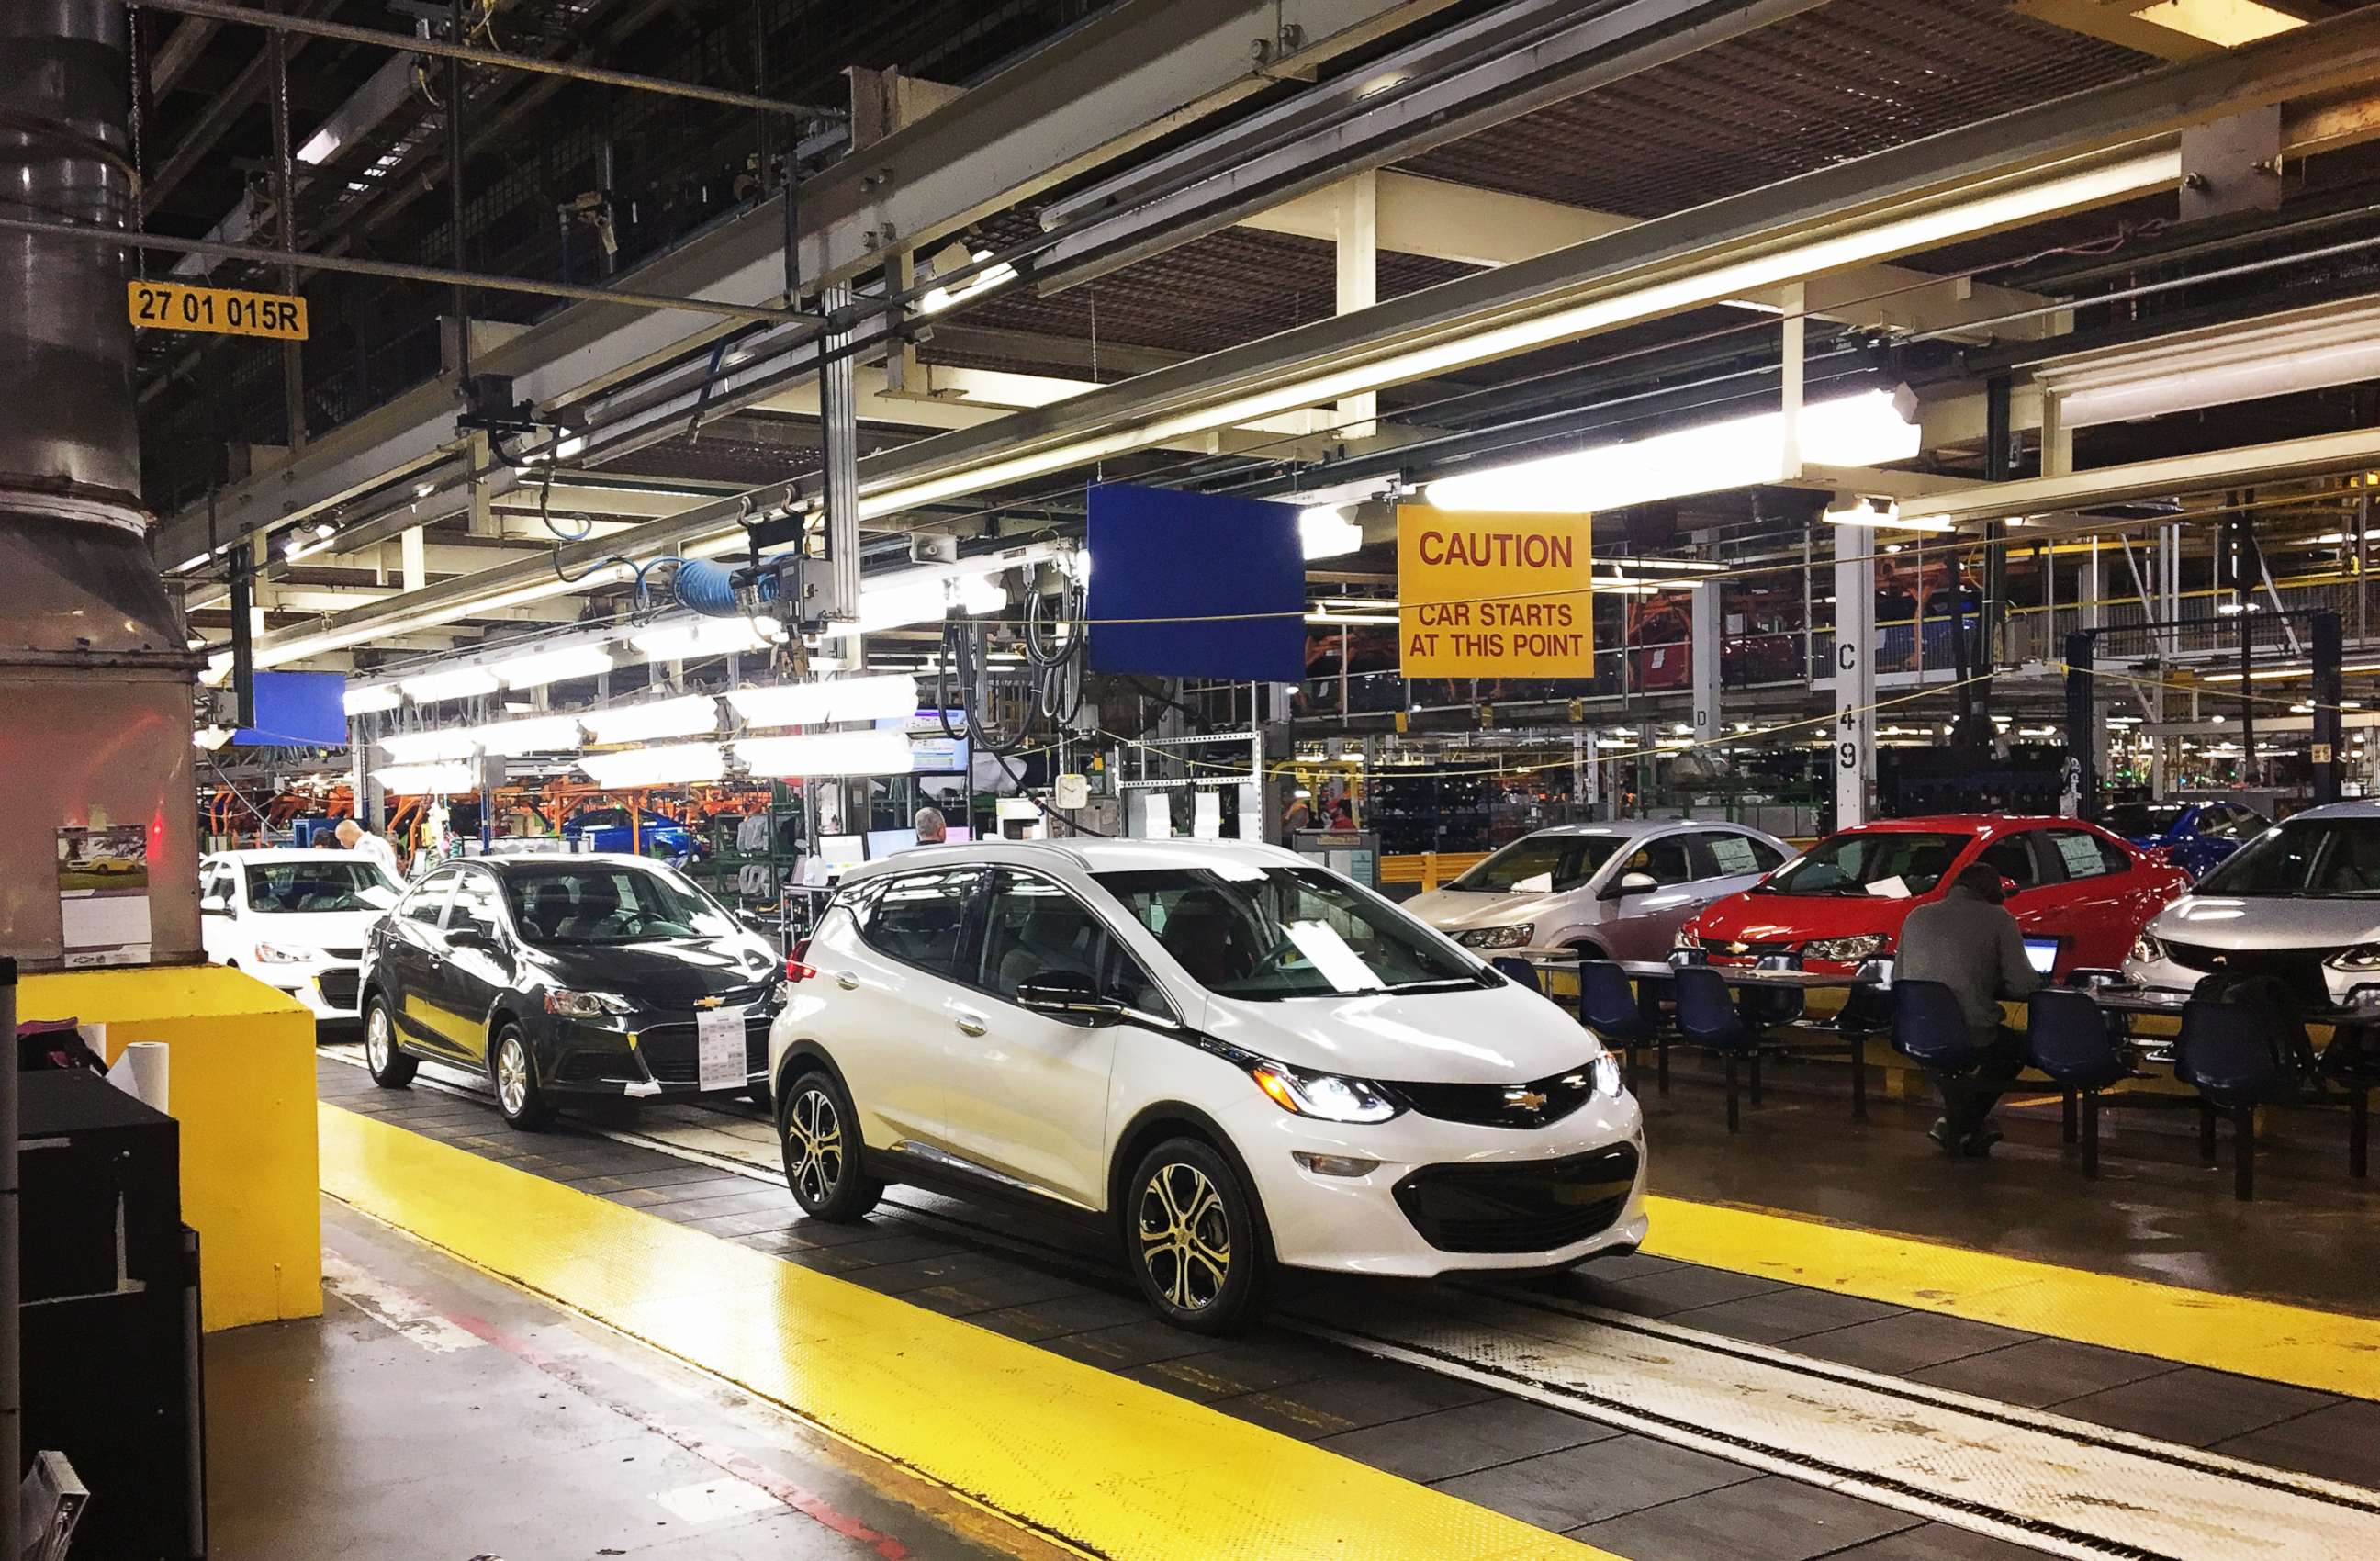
{"points": [[1854, 669], [1709, 641], [2080, 796], [839, 424], [2329, 759]]}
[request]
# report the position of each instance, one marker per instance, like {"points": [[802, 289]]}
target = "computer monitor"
{"points": [[2042, 953], [843, 851], [882, 844], [957, 834]]}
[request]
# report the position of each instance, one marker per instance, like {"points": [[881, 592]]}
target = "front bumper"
{"points": [[645, 1055], [1362, 1225], [329, 990], [2302, 973]]}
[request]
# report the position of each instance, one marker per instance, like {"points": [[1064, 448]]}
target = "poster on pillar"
{"points": [[1497, 596]]}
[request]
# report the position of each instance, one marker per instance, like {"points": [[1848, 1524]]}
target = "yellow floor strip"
{"points": [[2327, 1350], [1098, 1460]]}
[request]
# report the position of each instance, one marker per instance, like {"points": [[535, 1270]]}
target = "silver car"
{"points": [[1610, 890], [2300, 903]]}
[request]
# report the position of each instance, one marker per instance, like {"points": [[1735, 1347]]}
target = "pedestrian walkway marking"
{"points": [[1093, 1459], [2029, 1477], [2326, 1350]]}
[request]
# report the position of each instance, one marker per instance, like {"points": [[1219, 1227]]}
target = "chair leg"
{"points": [[2090, 1134], [2358, 1130], [2071, 1124], [2207, 1132], [1859, 1075], [1731, 1115], [1661, 1060], [1755, 1081], [2243, 1135]]}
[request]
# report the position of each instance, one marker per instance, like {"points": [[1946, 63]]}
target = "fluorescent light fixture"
{"points": [[1695, 565], [210, 737], [937, 299], [421, 779], [1866, 430], [1327, 533], [1352, 620], [704, 636], [2300, 350], [370, 699], [423, 747], [562, 450], [827, 753], [812, 704], [553, 665], [681, 717], [460, 683], [319, 147], [920, 596], [539, 734], [1885, 519], [679, 763], [2226, 23]]}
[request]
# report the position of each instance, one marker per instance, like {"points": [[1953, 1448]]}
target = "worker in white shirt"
{"points": [[355, 837]]}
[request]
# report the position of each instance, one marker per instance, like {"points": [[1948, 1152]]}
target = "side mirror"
{"points": [[1631, 883], [2009, 888], [1069, 995], [214, 907]]}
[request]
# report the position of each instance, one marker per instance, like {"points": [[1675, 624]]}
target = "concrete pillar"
{"points": [[1709, 643], [1358, 213], [1790, 354], [1854, 669], [413, 559]]}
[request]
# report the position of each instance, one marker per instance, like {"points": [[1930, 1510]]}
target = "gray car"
{"points": [[2300, 903], [1614, 890]]}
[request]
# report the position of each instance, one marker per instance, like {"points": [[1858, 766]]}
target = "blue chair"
{"points": [[1707, 1016], [1608, 1005], [1930, 1029], [1519, 971], [2235, 1055], [2351, 1062], [2068, 1038]]}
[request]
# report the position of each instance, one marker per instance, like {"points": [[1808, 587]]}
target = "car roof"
{"points": [[2337, 810], [509, 860], [286, 853], [1085, 854], [1629, 828], [1974, 823]]}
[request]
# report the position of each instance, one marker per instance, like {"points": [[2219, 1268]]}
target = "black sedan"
{"points": [[569, 975]]}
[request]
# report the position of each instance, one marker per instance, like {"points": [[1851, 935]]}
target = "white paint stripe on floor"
{"points": [[2029, 1477], [712, 1500], [395, 1308]]}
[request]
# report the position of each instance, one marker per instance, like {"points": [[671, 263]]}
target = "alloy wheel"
{"points": [[813, 1145], [376, 1038], [1185, 1237], [511, 1075]]}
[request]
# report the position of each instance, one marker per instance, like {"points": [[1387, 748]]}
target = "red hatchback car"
{"points": [[1841, 902]]}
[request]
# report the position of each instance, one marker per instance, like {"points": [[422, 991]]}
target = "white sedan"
{"points": [[294, 919]]}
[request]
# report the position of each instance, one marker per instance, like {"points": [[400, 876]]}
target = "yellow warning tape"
{"points": [[1083, 1455], [2327, 1350]]}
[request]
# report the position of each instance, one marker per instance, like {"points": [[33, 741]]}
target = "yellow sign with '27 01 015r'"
{"points": [[170, 306], [1484, 595]]}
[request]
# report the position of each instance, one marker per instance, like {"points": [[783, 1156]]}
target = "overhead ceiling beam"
{"points": [[2322, 454]]}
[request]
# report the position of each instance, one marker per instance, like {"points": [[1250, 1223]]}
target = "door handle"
{"points": [[969, 1024], [847, 981]]}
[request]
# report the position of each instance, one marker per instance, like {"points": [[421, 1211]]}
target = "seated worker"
{"points": [[1968, 942]]}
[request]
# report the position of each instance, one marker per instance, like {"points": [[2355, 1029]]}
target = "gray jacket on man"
{"points": [[1971, 946]]}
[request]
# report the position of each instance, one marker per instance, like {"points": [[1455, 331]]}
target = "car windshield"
{"points": [[1268, 933], [596, 902], [1885, 864], [1540, 863], [274, 887], [2308, 858], [2141, 819]]}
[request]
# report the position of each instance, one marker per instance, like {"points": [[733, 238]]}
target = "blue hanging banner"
{"points": [[1196, 585], [297, 711]]}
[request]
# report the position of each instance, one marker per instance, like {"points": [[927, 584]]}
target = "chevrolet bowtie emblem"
{"points": [[709, 1002], [1524, 1100], [1739, 948]]}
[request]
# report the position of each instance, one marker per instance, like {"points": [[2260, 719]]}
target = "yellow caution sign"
{"points": [[171, 306], [1485, 595]]}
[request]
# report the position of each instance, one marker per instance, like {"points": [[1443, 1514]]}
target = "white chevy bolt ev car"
{"points": [[1222, 1054]]}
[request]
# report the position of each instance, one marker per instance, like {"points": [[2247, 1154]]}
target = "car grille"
{"points": [[1502, 1106], [1723, 951], [1526, 1206], [2298, 970], [670, 1057], [338, 987]]}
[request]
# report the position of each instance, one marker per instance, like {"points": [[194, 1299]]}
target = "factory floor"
{"points": [[1838, 1344]]}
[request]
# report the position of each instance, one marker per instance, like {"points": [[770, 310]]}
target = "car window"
{"points": [[920, 919], [1665, 861], [601, 818], [565, 902], [1035, 926], [1887, 864], [475, 905], [2231, 823], [2011, 857], [305, 885], [427, 901], [1540, 863], [1731, 855], [2143, 820], [214, 890], [2082, 854]]}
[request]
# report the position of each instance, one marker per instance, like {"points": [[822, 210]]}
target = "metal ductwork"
{"points": [[94, 673]]}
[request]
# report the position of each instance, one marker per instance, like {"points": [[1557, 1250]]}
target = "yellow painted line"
{"points": [[2326, 1350], [1100, 1461]]}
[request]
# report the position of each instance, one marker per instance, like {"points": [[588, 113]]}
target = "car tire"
{"points": [[512, 1068], [390, 1068], [1193, 1239], [819, 1133]]}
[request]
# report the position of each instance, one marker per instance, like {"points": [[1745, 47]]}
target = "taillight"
{"points": [[794, 969]]}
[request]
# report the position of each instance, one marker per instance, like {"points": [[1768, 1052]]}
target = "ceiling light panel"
{"points": [[677, 764], [682, 717], [827, 753], [812, 704], [553, 665]]}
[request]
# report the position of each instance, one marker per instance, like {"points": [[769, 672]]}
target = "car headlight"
{"points": [[1605, 1074], [1848, 950], [587, 1005], [1516, 936], [285, 954], [2147, 949], [1685, 939], [779, 996], [1325, 1095], [2363, 956]]}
